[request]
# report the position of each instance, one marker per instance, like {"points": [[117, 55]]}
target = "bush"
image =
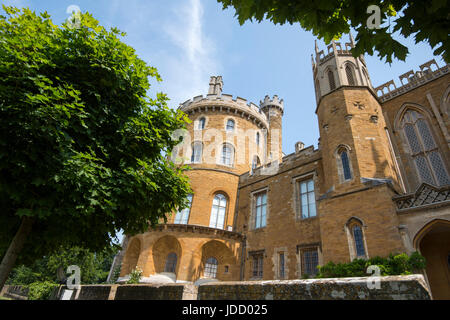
{"points": [[135, 276], [400, 264], [41, 290]]}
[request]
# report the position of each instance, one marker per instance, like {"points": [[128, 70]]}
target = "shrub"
{"points": [[135, 276], [399, 264], [41, 290]]}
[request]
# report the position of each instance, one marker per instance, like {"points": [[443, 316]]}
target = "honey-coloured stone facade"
{"points": [[362, 193]]}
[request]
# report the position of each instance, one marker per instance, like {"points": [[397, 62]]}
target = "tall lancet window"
{"points": [[331, 80], [423, 149], [350, 75]]}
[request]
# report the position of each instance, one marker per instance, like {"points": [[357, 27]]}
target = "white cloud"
{"points": [[195, 60]]}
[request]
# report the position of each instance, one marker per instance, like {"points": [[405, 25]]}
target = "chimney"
{"points": [[215, 85]]}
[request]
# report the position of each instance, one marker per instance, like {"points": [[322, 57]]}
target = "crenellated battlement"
{"points": [[225, 103], [333, 49], [411, 80], [275, 102]]}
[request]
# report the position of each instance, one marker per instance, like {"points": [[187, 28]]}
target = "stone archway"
{"points": [[131, 257], [224, 257], [433, 242], [163, 248]]}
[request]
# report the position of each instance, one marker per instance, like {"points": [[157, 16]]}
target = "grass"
{"points": [[4, 298]]}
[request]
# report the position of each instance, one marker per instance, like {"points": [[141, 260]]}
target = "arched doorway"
{"points": [[433, 242]]}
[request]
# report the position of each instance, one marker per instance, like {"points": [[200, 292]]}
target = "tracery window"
{"points": [[423, 149]]}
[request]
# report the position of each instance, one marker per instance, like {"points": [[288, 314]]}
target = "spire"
{"points": [[352, 41], [317, 47]]}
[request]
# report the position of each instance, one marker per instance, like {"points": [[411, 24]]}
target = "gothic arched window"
{"points": [[350, 75], [218, 210], [343, 163], [356, 241], [197, 148], [211, 268], [171, 262], [227, 155], [359, 241], [423, 149], [331, 80]]}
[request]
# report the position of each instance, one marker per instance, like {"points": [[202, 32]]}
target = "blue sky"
{"points": [[190, 40]]}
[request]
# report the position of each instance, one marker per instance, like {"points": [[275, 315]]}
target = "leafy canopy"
{"points": [[330, 19], [83, 149]]}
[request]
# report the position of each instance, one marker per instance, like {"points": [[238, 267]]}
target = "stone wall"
{"points": [[412, 287], [391, 288]]}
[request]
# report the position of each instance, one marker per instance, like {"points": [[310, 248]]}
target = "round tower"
{"points": [[224, 139], [273, 109]]}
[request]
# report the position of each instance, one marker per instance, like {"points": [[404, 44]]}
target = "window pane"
{"points": [[312, 209], [201, 123], [305, 212], [211, 268], [359, 244], [331, 80], [310, 261], [412, 139], [424, 170], [260, 210], [426, 135], [311, 197], [303, 188], [438, 167], [311, 185], [218, 211], [349, 72], [171, 262], [230, 125], [345, 165]]}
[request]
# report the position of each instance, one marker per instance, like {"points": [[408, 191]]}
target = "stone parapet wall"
{"points": [[411, 287]]}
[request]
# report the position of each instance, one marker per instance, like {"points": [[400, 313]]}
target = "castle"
{"points": [[378, 183]]}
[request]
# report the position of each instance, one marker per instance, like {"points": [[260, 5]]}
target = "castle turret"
{"points": [[273, 109], [354, 142], [338, 68]]}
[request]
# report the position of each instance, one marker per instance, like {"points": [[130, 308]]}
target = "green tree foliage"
{"points": [[400, 264], [329, 19], [83, 149], [94, 267]]}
